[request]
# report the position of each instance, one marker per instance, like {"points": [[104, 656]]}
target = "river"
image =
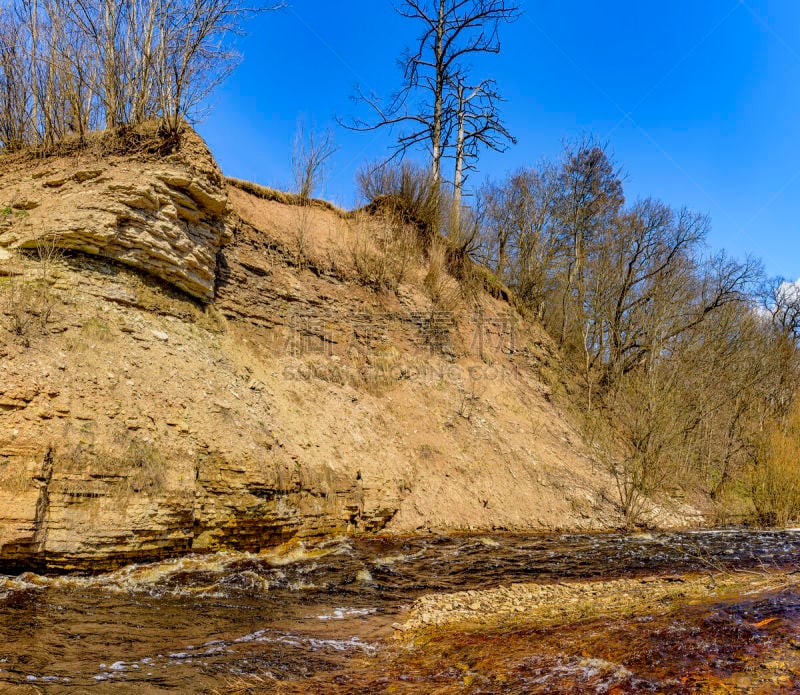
{"points": [[318, 616]]}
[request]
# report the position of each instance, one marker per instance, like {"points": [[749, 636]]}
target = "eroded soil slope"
{"points": [[304, 398]]}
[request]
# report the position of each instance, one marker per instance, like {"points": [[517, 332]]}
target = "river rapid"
{"points": [[318, 617]]}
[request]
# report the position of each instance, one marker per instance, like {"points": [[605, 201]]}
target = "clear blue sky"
{"points": [[698, 99]]}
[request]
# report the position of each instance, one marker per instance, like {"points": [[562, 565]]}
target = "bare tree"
{"points": [[452, 31], [15, 86], [311, 151], [648, 442], [781, 299], [69, 66], [589, 199], [645, 264], [519, 241], [477, 124], [683, 372], [196, 59]]}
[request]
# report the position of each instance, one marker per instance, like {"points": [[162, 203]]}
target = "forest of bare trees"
{"points": [[68, 67], [688, 359]]}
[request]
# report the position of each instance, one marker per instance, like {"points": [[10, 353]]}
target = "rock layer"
{"points": [[164, 216]]}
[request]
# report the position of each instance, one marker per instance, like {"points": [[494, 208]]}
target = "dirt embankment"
{"points": [[185, 365]]}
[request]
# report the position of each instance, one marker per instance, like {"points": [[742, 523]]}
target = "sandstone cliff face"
{"points": [[164, 216], [137, 428], [137, 422]]}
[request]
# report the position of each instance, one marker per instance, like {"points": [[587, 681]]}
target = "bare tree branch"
{"points": [[425, 109], [70, 66]]}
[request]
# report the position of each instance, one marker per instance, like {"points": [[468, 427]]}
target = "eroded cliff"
{"points": [[165, 216], [293, 399]]}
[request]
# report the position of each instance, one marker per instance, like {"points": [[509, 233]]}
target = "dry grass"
{"points": [[471, 397], [284, 197], [132, 466], [392, 241], [404, 193], [382, 255], [775, 478], [16, 478], [27, 300], [91, 333], [444, 291]]}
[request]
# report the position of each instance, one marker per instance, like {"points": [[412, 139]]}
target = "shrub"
{"points": [[310, 153], [775, 476], [406, 192], [27, 301]]}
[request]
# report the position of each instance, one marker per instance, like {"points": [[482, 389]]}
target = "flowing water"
{"points": [[318, 616]]}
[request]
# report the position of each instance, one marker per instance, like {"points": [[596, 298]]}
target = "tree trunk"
{"points": [[438, 99], [110, 76], [458, 179]]}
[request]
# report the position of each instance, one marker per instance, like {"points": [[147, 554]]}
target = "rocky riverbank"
{"points": [[569, 602], [716, 632]]}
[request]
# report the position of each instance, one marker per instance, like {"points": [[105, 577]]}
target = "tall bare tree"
{"points": [[477, 124], [589, 199], [451, 32]]}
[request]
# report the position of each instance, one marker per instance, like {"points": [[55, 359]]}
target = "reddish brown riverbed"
{"points": [[319, 617]]}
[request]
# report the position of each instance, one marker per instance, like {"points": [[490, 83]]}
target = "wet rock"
{"points": [[774, 665], [567, 602]]}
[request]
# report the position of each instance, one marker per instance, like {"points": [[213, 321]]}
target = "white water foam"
{"points": [[344, 612], [302, 641]]}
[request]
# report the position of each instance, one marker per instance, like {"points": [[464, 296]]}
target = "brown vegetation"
{"points": [[775, 473], [283, 197], [681, 362], [27, 301], [70, 67], [681, 356]]}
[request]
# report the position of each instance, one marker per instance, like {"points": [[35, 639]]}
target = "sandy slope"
{"points": [[136, 422]]}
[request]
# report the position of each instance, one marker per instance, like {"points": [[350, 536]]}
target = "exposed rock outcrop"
{"points": [[163, 216]]}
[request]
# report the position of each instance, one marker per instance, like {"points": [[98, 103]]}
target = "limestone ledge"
{"points": [[165, 218], [56, 518]]}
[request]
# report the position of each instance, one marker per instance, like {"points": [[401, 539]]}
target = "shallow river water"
{"points": [[318, 616]]}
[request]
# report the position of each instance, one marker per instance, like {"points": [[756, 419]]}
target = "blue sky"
{"points": [[698, 100]]}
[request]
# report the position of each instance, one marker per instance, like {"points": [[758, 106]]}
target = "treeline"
{"points": [[68, 67], [688, 360]]}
